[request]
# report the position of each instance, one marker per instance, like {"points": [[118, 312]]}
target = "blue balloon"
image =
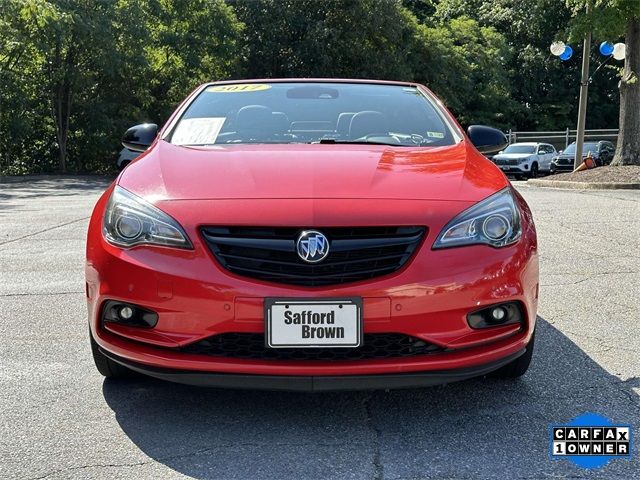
{"points": [[566, 55], [606, 49]]}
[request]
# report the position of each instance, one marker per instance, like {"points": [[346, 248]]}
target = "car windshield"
{"points": [[307, 112], [520, 149], [586, 147]]}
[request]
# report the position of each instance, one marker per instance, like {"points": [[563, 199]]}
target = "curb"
{"points": [[583, 185]]}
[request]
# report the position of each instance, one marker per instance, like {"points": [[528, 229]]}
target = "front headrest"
{"points": [[253, 117], [367, 123], [280, 122], [344, 121]]}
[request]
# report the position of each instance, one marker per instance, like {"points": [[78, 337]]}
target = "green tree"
{"points": [[63, 36], [70, 49], [610, 19], [75, 73], [190, 42], [463, 62], [543, 88], [422, 9], [380, 39], [333, 38], [23, 115]]}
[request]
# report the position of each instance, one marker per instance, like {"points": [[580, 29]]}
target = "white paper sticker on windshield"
{"points": [[197, 131], [435, 134]]}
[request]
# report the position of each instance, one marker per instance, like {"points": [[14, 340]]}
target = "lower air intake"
{"points": [[252, 346]]}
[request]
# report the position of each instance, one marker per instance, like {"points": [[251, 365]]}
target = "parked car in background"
{"points": [[525, 159], [125, 157], [602, 152]]}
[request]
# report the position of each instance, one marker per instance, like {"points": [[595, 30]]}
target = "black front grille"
{"points": [[269, 254], [252, 346]]}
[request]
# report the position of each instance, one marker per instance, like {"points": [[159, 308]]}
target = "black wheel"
{"points": [[519, 366], [534, 171], [107, 367]]}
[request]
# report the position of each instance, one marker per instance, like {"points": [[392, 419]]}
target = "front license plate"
{"points": [[313, 323]]}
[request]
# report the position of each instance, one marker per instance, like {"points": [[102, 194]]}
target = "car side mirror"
{"points": [[140, 137], [487, 139]]}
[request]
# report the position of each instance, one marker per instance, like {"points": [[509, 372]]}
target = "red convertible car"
{"points": [[312, 234]]}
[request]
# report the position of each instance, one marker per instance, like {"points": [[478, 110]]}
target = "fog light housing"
{"points": [[128, 314], [496, 315]]}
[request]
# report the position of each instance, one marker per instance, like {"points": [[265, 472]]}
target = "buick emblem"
{"points": [[312, 246]]}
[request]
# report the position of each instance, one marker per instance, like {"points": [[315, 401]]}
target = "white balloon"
{"points": [[557, 48], [619, 51]]}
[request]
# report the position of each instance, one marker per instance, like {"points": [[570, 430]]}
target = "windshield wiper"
{"points": [[333, 141]]}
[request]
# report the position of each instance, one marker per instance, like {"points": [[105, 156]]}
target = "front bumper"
{"points": [[429, 299], [314, 383], [522, 168], [555, 167]]}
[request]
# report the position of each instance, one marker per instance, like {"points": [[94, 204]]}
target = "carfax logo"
{"points": [[590, 441]]}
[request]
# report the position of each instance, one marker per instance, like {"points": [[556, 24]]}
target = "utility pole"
{"points": [[584, 87]]}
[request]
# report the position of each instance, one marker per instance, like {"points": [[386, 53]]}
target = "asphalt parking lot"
{"points": [[60, 419]]}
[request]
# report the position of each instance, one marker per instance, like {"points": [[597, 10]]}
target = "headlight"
{"points": [[129, 220], [494, 221]]}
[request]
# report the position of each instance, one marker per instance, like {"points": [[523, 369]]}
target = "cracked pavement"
{"points": [[60, 420]]}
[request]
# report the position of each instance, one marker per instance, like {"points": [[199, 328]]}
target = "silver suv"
{"points": [[526, 159]]}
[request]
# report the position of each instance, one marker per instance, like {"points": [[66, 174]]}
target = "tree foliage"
{"points": [[333, 38], [610, 19], [74, 74]]}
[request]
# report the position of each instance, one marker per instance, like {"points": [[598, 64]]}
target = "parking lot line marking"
{"points": [[43, 231]]}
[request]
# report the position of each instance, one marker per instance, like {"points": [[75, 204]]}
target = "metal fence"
{"points": [[562, 138]]}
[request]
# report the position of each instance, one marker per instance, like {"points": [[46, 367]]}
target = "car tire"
{"points": [[107, 367], [520, 365], [534, 170]]}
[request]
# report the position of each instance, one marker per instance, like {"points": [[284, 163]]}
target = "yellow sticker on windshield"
{"points": [[239, 87]]}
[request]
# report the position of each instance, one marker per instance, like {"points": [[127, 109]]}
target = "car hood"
{"points": [[169, 172]]}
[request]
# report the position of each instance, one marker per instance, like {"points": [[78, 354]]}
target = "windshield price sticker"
{"points": [[198, 131]]}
